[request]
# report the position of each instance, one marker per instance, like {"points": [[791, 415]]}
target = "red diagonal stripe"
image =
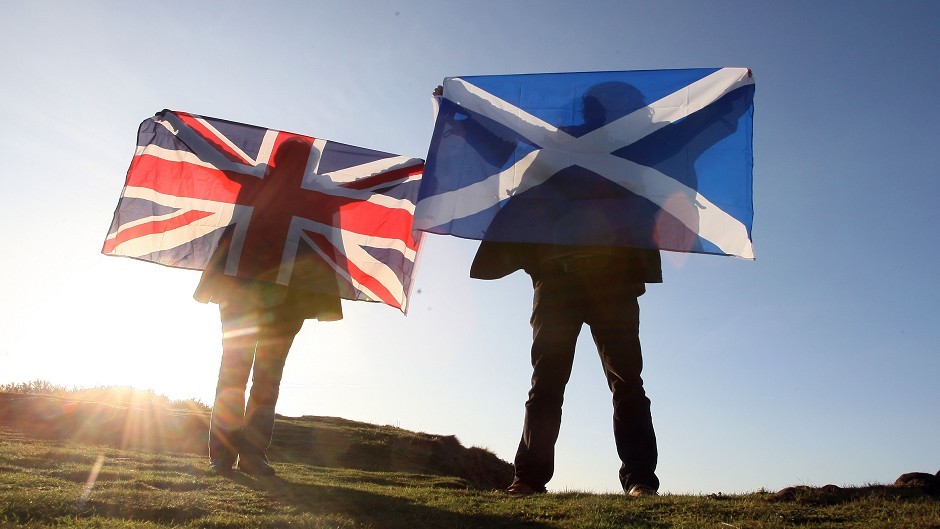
{"points": [[364, 279], [182, 179], [384, 178], [367, 218], [152, 228], [192, 122]]}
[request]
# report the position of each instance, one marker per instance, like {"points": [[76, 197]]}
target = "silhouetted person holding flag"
{"points": [[597, 285], [260, 318]]}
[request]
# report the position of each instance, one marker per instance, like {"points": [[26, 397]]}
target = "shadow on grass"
{"points": [[378, 510]]}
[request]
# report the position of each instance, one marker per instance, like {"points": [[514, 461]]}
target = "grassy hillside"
{"points": [[137, 464], [132, 419]]}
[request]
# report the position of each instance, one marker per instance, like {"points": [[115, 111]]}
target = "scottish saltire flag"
{"points": [[651, 159], [276, 199]]}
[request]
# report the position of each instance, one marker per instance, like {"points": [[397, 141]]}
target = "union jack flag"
{"points": [[649, 159], [276, 199]]}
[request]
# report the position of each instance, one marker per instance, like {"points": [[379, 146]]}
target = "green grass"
{"points": [[372, 477]]}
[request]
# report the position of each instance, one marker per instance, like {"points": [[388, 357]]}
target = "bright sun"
{"points": [[127, 324]]}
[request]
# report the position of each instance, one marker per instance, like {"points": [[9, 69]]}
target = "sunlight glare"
{"points": [[90, 482]]}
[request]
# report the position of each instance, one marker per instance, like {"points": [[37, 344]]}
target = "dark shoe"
{"points": [[637, 491], [221, 467], [519, 488], [255, 466]]}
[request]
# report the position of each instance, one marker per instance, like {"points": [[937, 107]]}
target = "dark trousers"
{"points": [[254, 341], [563, 302]]}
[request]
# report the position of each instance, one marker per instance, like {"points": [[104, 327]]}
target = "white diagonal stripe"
{"points": [[172, 155], [221, 215], [692, 208], [351, 244], [680, 104], [351, 174], [500, 111], [224, 139], [322, 185], [267, 147], [185, 204], [209, 154], [476, 197], [313, 160]]}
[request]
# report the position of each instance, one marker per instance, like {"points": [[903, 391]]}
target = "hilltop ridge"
{"points": [[134, 419]]}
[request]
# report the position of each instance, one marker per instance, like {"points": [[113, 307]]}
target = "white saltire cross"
{"points": [[559, 150]]}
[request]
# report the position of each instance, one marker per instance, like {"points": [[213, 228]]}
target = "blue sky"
{"points": [[814, 364]]}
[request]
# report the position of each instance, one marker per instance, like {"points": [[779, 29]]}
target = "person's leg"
{"points": [[273, 346], [615, 321], [555, 331], [228, 410]]}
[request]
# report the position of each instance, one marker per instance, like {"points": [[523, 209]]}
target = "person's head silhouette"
{"points": [[607, 102], [291, 156]]}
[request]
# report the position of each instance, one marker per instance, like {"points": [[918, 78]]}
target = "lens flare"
{"points": [[92, 478]]}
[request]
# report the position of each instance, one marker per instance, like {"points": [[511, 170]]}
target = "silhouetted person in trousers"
{"points": [[259, 321], [574, 285]]}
